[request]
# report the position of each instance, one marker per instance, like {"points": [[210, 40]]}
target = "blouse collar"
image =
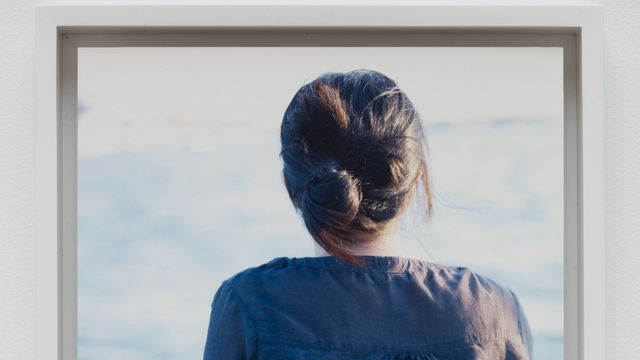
{"points": [[375, 263]]}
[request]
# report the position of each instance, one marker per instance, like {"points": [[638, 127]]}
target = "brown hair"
{"points": [[352, 147]]}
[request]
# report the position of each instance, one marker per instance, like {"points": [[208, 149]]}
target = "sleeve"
{"points": [[523, 326], [231, 334]]}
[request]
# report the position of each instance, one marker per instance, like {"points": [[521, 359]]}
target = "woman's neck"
{"points": [[381, 247]]}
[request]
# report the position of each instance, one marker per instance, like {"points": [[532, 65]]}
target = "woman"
{"points": [[354, 151]]}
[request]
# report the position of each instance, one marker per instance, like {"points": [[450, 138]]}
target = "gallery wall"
{"points": [[622, 166]]}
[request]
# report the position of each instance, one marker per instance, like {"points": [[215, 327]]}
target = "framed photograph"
{"points": [[159, 160]]}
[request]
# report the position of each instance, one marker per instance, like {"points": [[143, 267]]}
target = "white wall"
{"points": [[622, 183]]}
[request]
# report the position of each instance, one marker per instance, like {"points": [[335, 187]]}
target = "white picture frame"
{"points": [[60, 30]]}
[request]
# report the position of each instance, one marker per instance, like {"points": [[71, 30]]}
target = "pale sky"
{"points": [[140, 99]]}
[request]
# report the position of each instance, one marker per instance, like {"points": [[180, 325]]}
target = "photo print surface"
{"points": [[179, 179]]}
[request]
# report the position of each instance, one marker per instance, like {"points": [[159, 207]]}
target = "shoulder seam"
{"points": [[255, 330], [521, 326], [517, 306]]}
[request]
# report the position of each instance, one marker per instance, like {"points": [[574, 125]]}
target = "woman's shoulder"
{"points": [[255, 275], [475, 282], [488, 304], [473, 289], [256, 270]]}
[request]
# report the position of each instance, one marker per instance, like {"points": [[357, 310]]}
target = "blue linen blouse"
{"points": [[397, 308]]}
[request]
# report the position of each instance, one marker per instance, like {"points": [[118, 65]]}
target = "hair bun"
{"points": [[331, 198], [322, 172]]}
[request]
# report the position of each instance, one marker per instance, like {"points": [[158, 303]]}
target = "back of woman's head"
{"points": [[353, 148]]}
